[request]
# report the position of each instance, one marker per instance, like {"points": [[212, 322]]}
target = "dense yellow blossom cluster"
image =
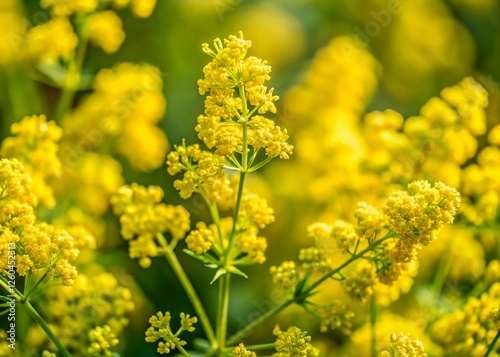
{"points": [[234, 84], [143, 217], [34, 142], [40, 247]]}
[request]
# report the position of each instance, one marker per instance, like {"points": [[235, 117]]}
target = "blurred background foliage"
{"points": [[419, 47]]}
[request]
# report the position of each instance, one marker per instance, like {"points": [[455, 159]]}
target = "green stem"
{"points": [[492, 345], [182, 350], [188, 288], [36, 316], [442, 272], [305, 293], [36, 285], [73, 73], [373, 322], [5, 284], [262, 346], [222, 310]]}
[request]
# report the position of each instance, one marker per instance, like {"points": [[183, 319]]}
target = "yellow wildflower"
{"points": [[241, 351], [469, 330], [336, 315], [200, 240], [143, 216], [143, 8], [160, 329], [419, 215], [252, 245], [35, 143], [286, 275], [105, 31], [293, 342], [69, 7], [255, 210], [101, 340], [233, 82], [405, 346], [361, 281], [52, 41]]}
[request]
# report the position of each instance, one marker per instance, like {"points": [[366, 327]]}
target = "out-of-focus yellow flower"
{"points": [[469, 330], [102, 339], [51, 41], [35, 143], [387, 325], [12, 36], [94, 300], [69, 7], [287, 35], [105, 31], [143, 8], [125, 107], [418, 215]]}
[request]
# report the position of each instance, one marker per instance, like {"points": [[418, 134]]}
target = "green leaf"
{"points": [[234, 270], [220, 272], [207, 259]]}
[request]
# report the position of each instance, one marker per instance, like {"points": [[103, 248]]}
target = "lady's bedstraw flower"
{"points": [[293, 343], [69, 7], [419, 214], [105, 30], [34, 142], [336, 315], [241, 351], [404, 346], [286, 275], [160, 329], [52, 40], [39, 247], [234, 84], [102, 339], [469, 330], [143, 216]]}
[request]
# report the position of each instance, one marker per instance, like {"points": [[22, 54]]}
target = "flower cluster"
{"points": [[34, 142], [40, 247], [234, 84], [293, 342], [241, 351], [160, 329], [143, 217], [125, 106], [86, 315], [102, 339], [405, 346]]}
